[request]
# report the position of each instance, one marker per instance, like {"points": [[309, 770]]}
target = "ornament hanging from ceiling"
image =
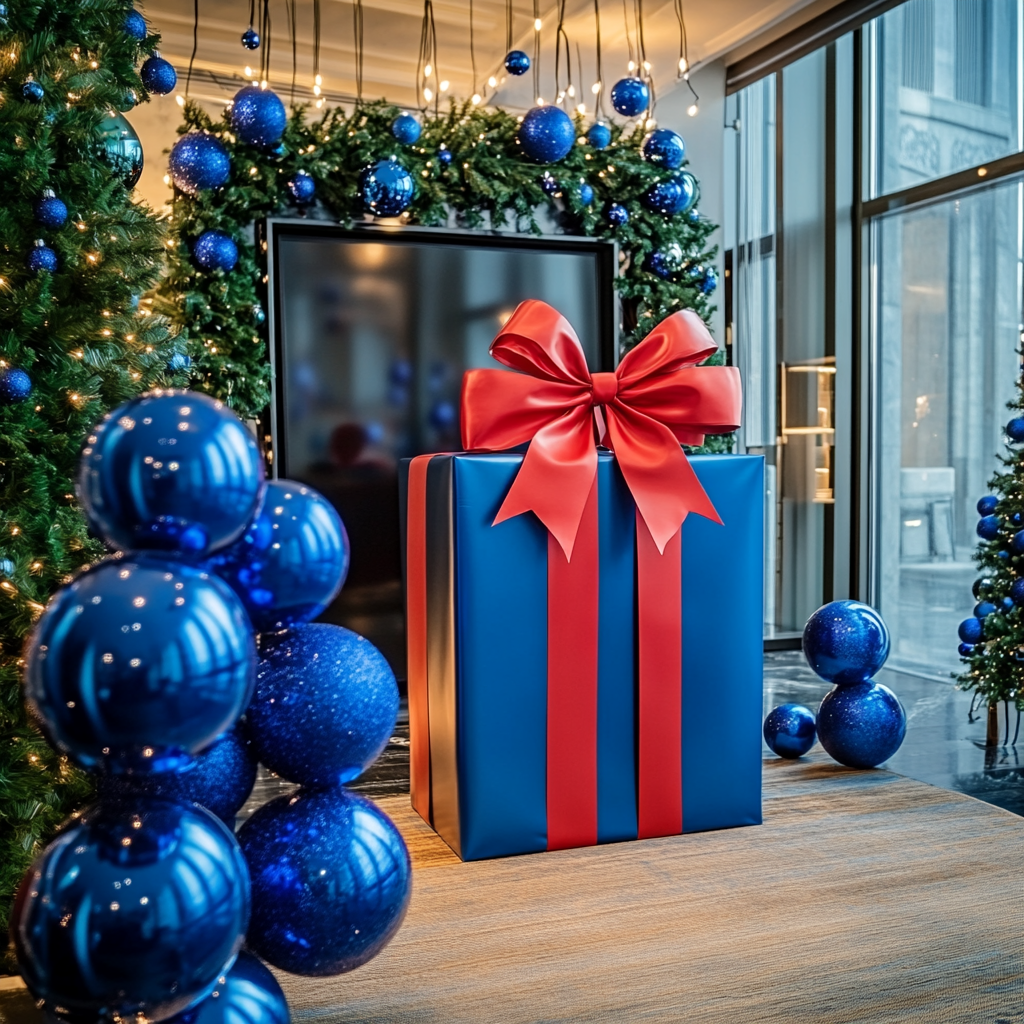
{"points": [[158, 75], [251, 39], [630, 96], [546, 134], [517, 63]]}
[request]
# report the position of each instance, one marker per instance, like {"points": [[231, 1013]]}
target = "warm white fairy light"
{"points": [[428, 71], [318, 80], [540, 101], [428, 94], [492, 81], [180, 100], [248, 71], [444, 85], [571, 91], [537, 23], [650, 124], [475, 100], [692, 110], [631, 66], [647, 65], [581, 108], [683, 64], [595, 88]]}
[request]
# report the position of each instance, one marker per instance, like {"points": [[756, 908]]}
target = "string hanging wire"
{"points": [[536, 50], [509, 16], [195, 47], [644, 69], [599, 104], [629, 38], [683, 68], [472, 51], [426, 62], [265, 49], [316, 52], [357, 37], [579, 78], [562, 38], [293, 30]]}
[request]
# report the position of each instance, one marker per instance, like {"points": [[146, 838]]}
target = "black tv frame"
{"points": [[271, 231]]}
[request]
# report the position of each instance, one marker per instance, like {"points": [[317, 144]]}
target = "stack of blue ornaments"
{"points": [[139, 671]]}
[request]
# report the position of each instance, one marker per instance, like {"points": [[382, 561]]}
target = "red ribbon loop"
{"points": [[657, 400]]}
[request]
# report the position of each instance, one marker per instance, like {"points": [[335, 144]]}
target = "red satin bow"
{"points": [[657, 400]]}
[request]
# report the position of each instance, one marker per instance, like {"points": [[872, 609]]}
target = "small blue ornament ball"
{"points": [[302, 188], [213, 250], [328, 903], [549, 186], [247, 994], [251, 39], [325, 704], [139, 664], [172, 471], [988, 527], [663, 264], [664, 148], [971, 631], [618, 215], [690, 189], [546, 134], [32, 91], [630, 96], [987, 504], [444, 156], [599, 135], [1015, 429], [198, 162], [1017, 591], [789, 730], [1006, 605], [517, 63], [407, 129], [159, 76], [386, 188], [15, 385], [708, 281], [133, 912], [258, 116], [845, 642], [670, 196], [43, 258], [179, 362], [1017, 542], [585, 194], [50, 211], [983, 609], [964, 650], [862, 724], [135, 26]]}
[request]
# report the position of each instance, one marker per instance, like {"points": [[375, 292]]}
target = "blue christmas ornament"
{"points": [[666, 197], [618, 215], [630, 96], [15, 385], [1017, 542], [386, 187], [199, 161], [3, 14], [32, 91], [1017, 519], [140, 663], [122, 150], [1006, 605], [247, 994], [546, 134], [988, 527], [213, 250], [664, 148], [665, 263], [517, 63], [258, 116], [135, 26], [987, 504], [983, 609], [171, 470], [251, 39], [406, 129], [324, 707], [179, 362], [585, 194], [133, 911], [965, 649], [41, 258], [302, 187], [845, 642], [330, 881], [159, 76], [51, 211], [599, 135], [6, 567], [861, 725], [549, 186], [1015, 429], [789, 730], [444, 156], [971, 631], [443, 415], [1017, 591], [708, 281]]}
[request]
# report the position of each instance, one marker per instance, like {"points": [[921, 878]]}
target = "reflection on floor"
{"points": [[942, 746]]}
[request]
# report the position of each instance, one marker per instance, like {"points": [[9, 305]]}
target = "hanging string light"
{"points": [[537, 24], [293, 30], [195, 49], [475, 98], [598, 87], [645, 65], [684, 59], [357, 38], [265, 50], [317, 80], [629, 39], [426, 62], [561, 38]]}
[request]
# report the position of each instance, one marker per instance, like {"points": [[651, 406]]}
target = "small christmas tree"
{"points": [[74, 342]]}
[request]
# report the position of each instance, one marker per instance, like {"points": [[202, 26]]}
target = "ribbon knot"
{"points": [[606, 387]]}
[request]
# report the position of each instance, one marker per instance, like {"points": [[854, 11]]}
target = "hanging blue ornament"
{"points": [[42, 257], [1017, 591], [690, 190], [258, 116], [171, 470], [599, 135], [324, 706], [971, 631], [121, 149], [1016, 519], [1015, 429], [407, 129], [988, 527], [302, 187], [32, 92], [292, 560], [664, 148], [693, 216], [135, 25], [159, 76], [845, 642], [386, 188], [585, 194], [247, 994], [199, 161], [213, 250], [179, 362], [330, 902], [516, 62], [983, 609], [789, 730], [630, 96], [708, 281], [987, 504], [15, 385], [1006, 605], [984, 587], [140, 663], [549, 186], [257, 314], [666, 263], [861, 725], [546, 134], [251, 39], [51, 211], [1017, 542], [618, 215], [666, 197], [157, 899], [964, 650]]}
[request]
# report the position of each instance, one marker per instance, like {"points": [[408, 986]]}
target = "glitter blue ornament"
{"points": [[179, 362], [32, 91], [1017, 542], [386, 188], [987, 504], [258, 116], [630, 96], [861, 725], [988, 527], [213, 250], [845, 642], [330, 881], [789, 730], [122, 150], [324, 706], [302, 187], [444, 156], [50, 211], [708, 281], [1006, 605], [965, 649], [664, 148], [43, 258], [157, 896], [1017, 591], [546, 134], [599, 135], [983, 609], [971, 631], [199, 162], [251, 39], [173, 471], [407, 129], [135, 25], [516, 62], [667, 197], [585, 194], [158, 76], [549, 186], [664, 264], [15, 385], [140, 663], [292, 560], [1015, 429], [618, 215], [246, 994]]}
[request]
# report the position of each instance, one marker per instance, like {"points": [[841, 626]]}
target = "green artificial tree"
{"points": [[74, 342]]}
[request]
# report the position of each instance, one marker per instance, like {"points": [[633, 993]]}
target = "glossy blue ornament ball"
{"points": [[1017, 542], [331, 881], [32, 91], [251, 39], [1006, 605], [172, 471], [987, 504], [618, 215], [135, 26], [386, 188], [549, 186], [258, 116], [708, 281], [325, 704], [246, 994], [663, 265], [43, 258], [983, 609], [971, 631], [198, 162], [789, 730], [585, 194], [159, 76], [599, 135], [15, 385], [214, 250], [50, 211], [630, 96], [862, 724], [546, 134], [845, 642], [140, 663], [670, 196], [122, 150], [407, 129], [1017, 591], [664, 148], [444, 156], [302, 187], [1015, 429], [179, 362], [133, 912], [517, 63], [988, 527], [964, 649]]}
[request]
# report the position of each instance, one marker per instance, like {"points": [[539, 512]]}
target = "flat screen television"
{"points": [[371, 331]]}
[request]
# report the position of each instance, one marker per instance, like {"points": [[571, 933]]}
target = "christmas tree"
{"points": [[74, 340]]}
